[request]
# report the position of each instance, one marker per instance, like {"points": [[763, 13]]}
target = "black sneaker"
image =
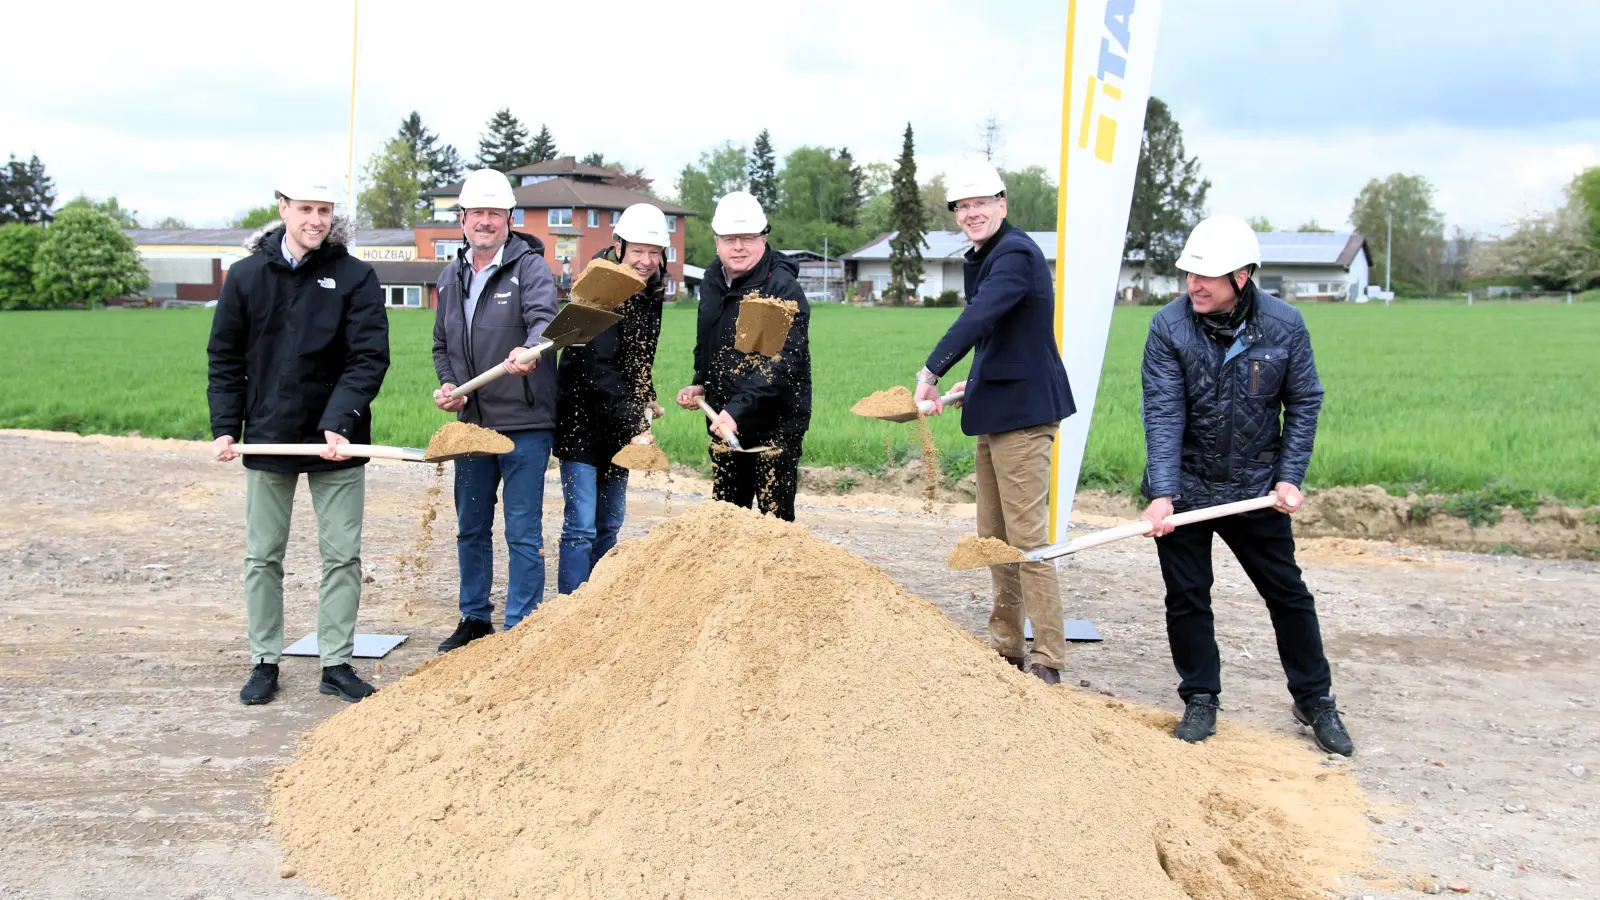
{"points": [[344, 683], [262, 685], [1199, 719], [1326, 727], [467, 631], [1044, 673]]}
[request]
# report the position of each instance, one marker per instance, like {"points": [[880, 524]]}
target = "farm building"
{"points": [[190, 264], [1294, 265]]}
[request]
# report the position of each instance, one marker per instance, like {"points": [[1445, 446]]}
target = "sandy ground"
{"points": [[129, 769]]}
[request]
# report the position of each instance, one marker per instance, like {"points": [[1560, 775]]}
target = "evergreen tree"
{"points": [[850, 213], [504, 144], [26, 192], [442, 162], [544, 146], [764, 172], [594, 159], [1169, 196], [447, 166], [905, 248]]}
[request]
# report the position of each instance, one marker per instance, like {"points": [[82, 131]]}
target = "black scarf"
{"points": [[1224, 327]]}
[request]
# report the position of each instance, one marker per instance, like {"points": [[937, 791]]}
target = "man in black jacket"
{"points": [[495, 299], [299, 347], [605, 387], [1221, 364], [766, 402]]}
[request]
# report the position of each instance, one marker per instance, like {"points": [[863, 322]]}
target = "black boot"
{"points": [[467, 631], [1014, 661], [262, 685], [1326, 727], [1045, 674], [1199, 719], [344, 683]]}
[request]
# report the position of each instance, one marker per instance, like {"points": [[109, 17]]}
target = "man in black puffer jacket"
{"points": [[299, 347], [605, 387], [766, 402], [1222, 363]]}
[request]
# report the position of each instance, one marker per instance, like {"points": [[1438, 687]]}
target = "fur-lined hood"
{"points": [[339, 232]]}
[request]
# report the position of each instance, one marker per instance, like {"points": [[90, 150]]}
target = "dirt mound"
{"points": [[1557, 532], [975, 553], [642, 457], [465, 437], [732, 708]]}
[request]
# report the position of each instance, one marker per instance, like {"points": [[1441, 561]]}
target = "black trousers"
{"points": [[768, 479], [1263, 542]]}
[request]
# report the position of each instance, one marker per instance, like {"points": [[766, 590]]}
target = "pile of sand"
{"points": [[464, 437], [975, 553], [733, 708], [896, 401], [763, 325], [606, 285], [641, 457]]}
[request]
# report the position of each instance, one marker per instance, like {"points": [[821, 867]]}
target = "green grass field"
{"points": [[1423, 396]]}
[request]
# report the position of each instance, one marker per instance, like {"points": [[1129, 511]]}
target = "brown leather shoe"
{"points": [[1045, 673], [1015, 661]]}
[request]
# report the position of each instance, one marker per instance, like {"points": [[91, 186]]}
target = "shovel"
{"points": [[370, 451], [1136, 529], [924, 407], [731, 438], [575, 324]]}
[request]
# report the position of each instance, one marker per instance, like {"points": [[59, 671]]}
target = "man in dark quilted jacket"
{"points": [[1231, 399]]}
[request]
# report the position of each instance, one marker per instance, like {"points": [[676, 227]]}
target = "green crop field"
{"points": [[1424, 396]]}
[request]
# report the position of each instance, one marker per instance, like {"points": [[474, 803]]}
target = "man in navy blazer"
{"points": [[1016, 397]]}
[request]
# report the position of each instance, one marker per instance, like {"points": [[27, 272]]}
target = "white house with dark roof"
{"points": [[1310, 266]]}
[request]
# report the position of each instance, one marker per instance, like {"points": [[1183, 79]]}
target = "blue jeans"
{"points": [[477, 479], [596, 500]]}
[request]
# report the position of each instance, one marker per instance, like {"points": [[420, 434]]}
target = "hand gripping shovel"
{"points": [[1135, 529], [575, 324], [924, 407], [370, 451], [731, 438]]}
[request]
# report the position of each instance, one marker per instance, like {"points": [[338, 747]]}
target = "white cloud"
{"points": [[192, 109]]}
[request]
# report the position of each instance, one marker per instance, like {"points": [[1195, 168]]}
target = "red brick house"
{"points": [[569, 206]]}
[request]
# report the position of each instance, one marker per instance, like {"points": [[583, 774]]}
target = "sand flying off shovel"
{"points": [[456, 440], [642, 454]]}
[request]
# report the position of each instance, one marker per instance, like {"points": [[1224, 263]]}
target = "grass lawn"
{"points": [[1426, 396]]}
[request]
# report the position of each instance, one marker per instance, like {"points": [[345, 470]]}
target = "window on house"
{"points": [[672, 253], [594, 218], [672, 223], [614, 217], [402, 296], [559, 217], [447, 249], [518, 217], [672, 288]]}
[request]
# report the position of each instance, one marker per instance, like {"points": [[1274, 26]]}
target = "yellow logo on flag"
{"points": [[1113, 63]]}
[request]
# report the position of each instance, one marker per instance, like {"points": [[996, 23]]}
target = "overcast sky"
{"points": [[193, 109]]}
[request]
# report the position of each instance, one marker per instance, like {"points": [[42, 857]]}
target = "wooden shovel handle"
{"points": [[370, 451], [1136, 529], [926, 406], [711, 414], [525, 357]]}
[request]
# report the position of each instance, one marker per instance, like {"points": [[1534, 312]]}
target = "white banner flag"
{"points": [[1111, 48]]}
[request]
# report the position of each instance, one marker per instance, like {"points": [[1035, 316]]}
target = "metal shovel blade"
{"points": [[578, 324], [924, 407]]}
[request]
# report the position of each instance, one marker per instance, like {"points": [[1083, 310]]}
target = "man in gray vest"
{"points": [[495, 299]]}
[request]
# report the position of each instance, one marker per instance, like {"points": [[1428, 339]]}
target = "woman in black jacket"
{"points": [[603, 390]]}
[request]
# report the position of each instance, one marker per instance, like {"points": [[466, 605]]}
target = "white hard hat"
{"points": [[642, 223], [309, 190], [974, 178], [486, 189], [739, 213], [1220, 245]]}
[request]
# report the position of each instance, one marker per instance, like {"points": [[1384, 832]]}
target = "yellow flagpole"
{"points": [[1061, 241], [350, 152]]}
